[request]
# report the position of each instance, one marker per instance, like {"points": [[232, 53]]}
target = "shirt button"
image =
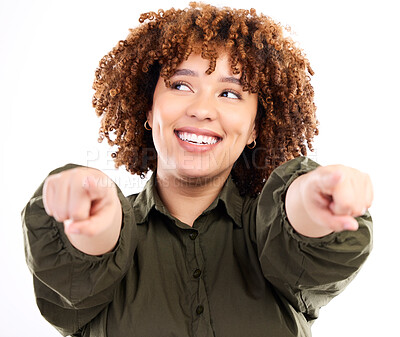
{"points": [[199, 310], [197, 273], [193, 235]]}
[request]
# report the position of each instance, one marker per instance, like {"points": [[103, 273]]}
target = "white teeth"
{"points": [[198, 139]]}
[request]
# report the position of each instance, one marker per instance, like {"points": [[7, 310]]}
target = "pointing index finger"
{"points": [[329, 179], [96, 187]]}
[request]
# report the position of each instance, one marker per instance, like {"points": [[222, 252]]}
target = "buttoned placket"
{"points": [[201, 322]]}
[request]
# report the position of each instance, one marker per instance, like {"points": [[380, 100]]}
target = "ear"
{"points": [[252, 137], [149, 116]]}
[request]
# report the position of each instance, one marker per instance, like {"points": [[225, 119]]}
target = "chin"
{"points": [[201, 175]]}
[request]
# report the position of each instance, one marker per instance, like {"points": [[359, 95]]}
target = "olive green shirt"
{"points": [[241, 270]]}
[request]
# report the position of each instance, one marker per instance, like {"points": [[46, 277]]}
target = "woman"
{"points": [[236, 233]]}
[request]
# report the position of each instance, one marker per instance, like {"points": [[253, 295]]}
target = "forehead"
{"points": [[196, 65]]}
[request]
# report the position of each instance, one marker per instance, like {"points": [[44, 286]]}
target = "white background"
{"points": [[49, 52]]}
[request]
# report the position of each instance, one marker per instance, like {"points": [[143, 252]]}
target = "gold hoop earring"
{"points": [[253, 145], [147, 126]]}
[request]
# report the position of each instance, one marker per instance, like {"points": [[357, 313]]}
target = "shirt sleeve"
{"points": [[309, 272], [71, 287]]}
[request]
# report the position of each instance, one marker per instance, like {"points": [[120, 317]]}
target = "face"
{"points": [[202, 122]]}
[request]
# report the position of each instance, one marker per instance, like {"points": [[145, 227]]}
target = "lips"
{"points": [[198, 136]]}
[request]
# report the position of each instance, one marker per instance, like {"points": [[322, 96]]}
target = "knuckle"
{"points": [[57, 216], [346, 206], [79, 214], [55, 178], [79, 206], [61, 215], [343, 209], [358, 209]]}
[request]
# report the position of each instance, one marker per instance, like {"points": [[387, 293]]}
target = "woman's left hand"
{"points": [[328, 199]]}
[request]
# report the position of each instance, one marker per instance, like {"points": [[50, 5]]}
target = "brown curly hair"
{"points": [[270, 65]]}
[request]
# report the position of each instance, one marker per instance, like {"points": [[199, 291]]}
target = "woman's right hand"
{"points": [[86, 201]]}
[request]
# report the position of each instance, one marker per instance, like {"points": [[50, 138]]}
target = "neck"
{"points": [[186, 198]]}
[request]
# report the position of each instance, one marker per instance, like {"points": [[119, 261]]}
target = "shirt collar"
{"points": [[149, 199], [232, 201]]}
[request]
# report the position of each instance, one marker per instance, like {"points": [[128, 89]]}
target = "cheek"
{"points": [[165, 116], [166, 111], [238, 125], [158, 122]]}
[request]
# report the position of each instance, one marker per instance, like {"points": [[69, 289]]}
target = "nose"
{"points": [[202, 107]]}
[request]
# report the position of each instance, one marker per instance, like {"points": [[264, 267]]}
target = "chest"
{"points": [[200, 281]]}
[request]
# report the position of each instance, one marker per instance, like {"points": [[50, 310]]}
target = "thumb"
{"points": [[340, 223]]}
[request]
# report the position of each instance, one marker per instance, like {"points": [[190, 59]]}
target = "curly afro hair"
{"points": [[269, 62]]}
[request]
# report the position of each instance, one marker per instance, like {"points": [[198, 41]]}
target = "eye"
{"points": [[181, 86], [231, 94]]}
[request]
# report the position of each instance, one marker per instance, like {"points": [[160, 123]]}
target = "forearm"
{"points": [[71, 286], [307, 270]]}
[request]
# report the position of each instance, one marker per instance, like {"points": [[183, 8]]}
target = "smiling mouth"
{"points": [[193, 138]]}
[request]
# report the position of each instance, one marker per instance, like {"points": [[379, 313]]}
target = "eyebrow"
{"points": [[188, 72]]}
